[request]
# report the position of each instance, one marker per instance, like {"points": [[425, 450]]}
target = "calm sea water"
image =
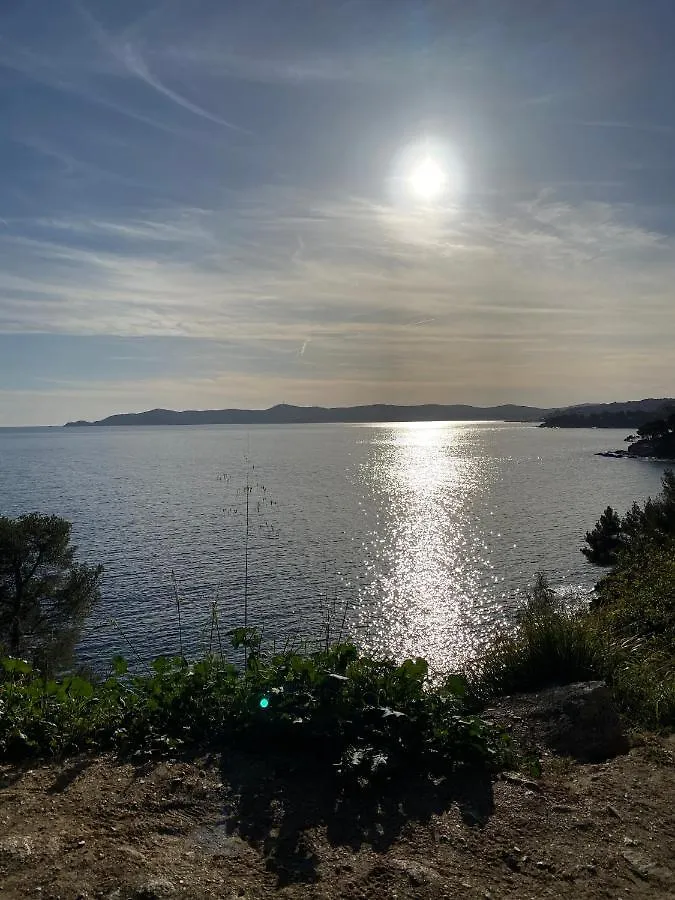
{"points": [[421, 537]]}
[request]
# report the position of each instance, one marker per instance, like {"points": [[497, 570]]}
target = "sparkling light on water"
{"points": [[428, 564], [428, 533]]}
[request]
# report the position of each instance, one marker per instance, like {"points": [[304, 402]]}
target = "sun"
{"points": [[427, 180], [427, 177]]}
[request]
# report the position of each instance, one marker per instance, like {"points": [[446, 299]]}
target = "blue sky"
{"points": [[208, 204]]}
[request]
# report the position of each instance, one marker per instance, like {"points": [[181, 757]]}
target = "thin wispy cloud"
{"points": [[132, 61]]}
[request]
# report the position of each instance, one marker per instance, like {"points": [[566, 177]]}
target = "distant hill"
{"points": [[284, 414], [629, 415]]}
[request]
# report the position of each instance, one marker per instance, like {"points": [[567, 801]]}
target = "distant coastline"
{"points": [[630, 414], [283, 414]]}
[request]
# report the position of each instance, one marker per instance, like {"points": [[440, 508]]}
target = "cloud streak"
{"points": [[544, 271]]}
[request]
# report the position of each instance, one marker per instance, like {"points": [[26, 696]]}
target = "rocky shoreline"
{"points": [[658, 449]]}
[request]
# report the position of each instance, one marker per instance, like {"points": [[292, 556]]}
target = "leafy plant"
{"points": [[363, 718]]}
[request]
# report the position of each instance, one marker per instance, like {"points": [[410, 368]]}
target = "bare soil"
{"points": [[250, 828]]}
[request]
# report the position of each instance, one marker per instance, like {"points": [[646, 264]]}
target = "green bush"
{"points": [[634, 622], [359, 716], [550, 645], [627, 638]]}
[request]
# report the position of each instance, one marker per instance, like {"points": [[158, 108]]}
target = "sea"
{"points": [[414, 539]]}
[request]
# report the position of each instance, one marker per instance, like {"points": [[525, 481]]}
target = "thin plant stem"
{"points": [[344, 620], [125, 638], [177, 599], [213, 614], [220, 641]]}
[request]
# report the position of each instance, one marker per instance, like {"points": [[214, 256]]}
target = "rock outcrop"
{"points": [[578, 720]]}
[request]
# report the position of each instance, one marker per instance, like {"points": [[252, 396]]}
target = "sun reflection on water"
{"points": [[427, 564]]}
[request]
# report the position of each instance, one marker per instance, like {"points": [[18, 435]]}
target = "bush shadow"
{"points": [[70, 772], [276, 803]]}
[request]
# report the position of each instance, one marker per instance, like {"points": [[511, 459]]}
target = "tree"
{"points": [[605, 541], [44, 594], [659, 429], [642, 526], [654, 430]]}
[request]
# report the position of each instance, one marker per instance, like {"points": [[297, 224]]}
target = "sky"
{"points": [[209, 204]]}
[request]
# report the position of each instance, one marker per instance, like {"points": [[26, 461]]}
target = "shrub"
{"points": [[359, 716], [550, 645], [627, 639], [635, 622]]}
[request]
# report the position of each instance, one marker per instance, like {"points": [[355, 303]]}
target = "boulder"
{"points": [[578, 720]]}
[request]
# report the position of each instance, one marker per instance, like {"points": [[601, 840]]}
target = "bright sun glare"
{"points": [[426, 176], [427, 180]]}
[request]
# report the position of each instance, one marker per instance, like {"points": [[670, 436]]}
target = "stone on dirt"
{"points": [[578, 720]]}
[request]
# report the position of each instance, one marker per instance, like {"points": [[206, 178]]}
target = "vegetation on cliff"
{"points": [[626, 636], [619, 540], [655, 438]]}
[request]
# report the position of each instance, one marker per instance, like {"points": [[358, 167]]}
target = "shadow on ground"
{"points": [[274, 806], [69, 774]]}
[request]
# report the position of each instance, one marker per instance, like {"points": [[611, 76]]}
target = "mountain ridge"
{"points": [[629, 415], [617, 414], [284, 413]]}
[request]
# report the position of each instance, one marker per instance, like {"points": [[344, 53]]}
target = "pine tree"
{"points": [[44, 594], [605, 541]]}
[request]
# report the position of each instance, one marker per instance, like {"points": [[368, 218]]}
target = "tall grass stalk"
{"points": [[247, 532], [115, 624], [176, 597]]}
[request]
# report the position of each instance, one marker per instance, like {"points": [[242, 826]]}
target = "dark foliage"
{"points": [[615, 537], [550, 645], [605, 541], [44, 594], [364, 719], [584, 418], [659, 428]]}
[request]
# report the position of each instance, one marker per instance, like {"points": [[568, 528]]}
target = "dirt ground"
{"points": [[241, 829]]}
